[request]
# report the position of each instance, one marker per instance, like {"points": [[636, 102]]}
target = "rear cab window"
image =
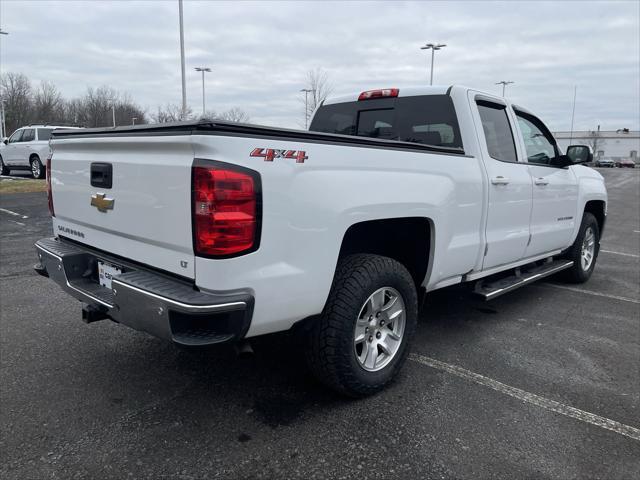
{"points": [[425, 119]]}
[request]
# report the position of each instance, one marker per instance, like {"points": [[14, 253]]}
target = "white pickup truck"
{"points": [[207, 232]]}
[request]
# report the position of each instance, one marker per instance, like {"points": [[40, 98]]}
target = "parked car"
{"points": [[605, 163], [27, 149], [208, 232], [626, 163]]}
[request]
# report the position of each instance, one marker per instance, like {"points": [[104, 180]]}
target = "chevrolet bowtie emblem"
{"points": [[101, 202]]}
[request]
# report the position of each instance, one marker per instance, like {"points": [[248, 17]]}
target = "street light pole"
{"points": [[504, 84], [433, 47], [3, 125], [306, 106], [184, 85], [202, 69], [133, 120]]}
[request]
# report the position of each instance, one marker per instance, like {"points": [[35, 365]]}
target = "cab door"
{"points": [[509, 182], [555, 189], [10, 151]]}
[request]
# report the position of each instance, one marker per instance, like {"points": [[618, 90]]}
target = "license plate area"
{"points": [[106, 271]]}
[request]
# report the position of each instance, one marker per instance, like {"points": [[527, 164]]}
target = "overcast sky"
{"points": [[260, 52]]}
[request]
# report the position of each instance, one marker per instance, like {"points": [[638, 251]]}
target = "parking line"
{"points": [[532, 398], [12, 213], [620, 253], [589, 292]]}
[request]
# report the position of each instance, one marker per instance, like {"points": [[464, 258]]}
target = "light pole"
{"points": [[184, 85], [504, 84], [202, 69], [133, 120], [433, 47], [306, 105], [2, 122]]}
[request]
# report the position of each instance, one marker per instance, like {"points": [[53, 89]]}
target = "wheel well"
{"points": [[32, 156], [407, 240], [596, 208]]}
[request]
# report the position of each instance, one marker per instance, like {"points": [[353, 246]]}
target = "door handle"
{"points": [[541, 181], [500, 180]]}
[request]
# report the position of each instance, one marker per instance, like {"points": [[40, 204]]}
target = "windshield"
{"points": [[428, 119]]}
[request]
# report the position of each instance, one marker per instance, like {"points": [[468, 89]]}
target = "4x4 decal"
{"points": [[270, 153]]}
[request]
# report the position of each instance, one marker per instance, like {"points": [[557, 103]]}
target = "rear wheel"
{"points": [[3, 168], [584, 251], [37, 170], [361, 340]]}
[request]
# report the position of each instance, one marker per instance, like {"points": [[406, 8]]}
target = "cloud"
{"points": [[260, 52]]}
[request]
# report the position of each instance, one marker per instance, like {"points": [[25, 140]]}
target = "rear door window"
{"points": [[497, 131], [28, 135], [426, 119]]}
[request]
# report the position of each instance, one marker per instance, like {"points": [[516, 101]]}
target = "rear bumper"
{"points": [[145, 300]]}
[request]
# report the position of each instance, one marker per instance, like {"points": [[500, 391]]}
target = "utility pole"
{"points": [[573, 112], [433, 47], [306, 106], [504, 84], [202, 69], [113, 113], [184, 85]]}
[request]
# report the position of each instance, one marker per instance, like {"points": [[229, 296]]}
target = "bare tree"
{"points": [[234, 115], [15, 90], [171, 113], [595, 142], [48, 106], [318, 82]]}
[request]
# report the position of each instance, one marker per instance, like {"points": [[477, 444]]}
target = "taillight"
{"points": [[385, 92], [49, 192], [225, 210]]}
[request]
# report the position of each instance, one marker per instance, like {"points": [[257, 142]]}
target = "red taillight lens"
{"points": [[49, 192], [385, 92], [225, 211]]}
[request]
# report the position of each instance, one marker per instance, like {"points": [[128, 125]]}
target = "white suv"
{"points": [[27, 149]]}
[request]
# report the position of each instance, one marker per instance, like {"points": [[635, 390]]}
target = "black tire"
{"points": [[577, 273], [37, 170], [330, 350], [3, 168]]}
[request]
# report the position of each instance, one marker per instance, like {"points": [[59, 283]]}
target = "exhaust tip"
{"points": [[244, 349]]}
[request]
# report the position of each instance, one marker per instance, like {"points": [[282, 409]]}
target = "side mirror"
{"points": [[579, 154], [5, 140]]}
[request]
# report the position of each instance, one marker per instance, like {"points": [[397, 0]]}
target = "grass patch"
{"points": [[22, 186]]}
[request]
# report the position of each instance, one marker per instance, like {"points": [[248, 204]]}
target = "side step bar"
{"points": [[491, 290]]}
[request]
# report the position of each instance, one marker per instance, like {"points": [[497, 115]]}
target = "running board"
{"points": [[491, 290]]}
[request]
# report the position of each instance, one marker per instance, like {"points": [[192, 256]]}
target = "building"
{"points": [[614, 145]]}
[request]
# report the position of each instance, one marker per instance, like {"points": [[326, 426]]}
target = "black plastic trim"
{"points": [[231, 129], [257, 182]]}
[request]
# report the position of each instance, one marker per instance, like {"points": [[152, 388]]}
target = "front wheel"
{"points": [[37, 170], [584, 251], [361, 340], [3, 168]]}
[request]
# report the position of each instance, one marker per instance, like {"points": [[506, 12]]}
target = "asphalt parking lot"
{"points": [[540, 383]]}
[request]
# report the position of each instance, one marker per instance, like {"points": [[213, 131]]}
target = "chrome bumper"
{"points": [[153, 302]]}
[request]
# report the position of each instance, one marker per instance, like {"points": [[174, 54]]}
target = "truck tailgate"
{"points": [[149, 218]]}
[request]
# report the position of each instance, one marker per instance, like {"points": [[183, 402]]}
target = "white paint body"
{"points": [[308, 207]]}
